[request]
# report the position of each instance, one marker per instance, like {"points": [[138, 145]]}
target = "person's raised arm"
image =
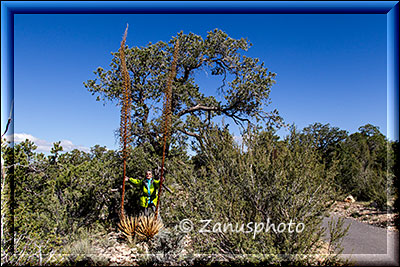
{"points": [[133, 181], [156, 182]]}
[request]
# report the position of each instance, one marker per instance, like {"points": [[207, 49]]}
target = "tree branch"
{"points": [[189, 133], [237, 119], [196, 108], [186, 74]]}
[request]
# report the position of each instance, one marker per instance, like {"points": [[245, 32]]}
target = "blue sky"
{"points": [[330, 68]]}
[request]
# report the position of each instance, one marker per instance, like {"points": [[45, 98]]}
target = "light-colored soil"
{"points": [[364, 212], [116, 251]]}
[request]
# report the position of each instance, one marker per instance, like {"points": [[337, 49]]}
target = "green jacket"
{"points": [[149, 191]]}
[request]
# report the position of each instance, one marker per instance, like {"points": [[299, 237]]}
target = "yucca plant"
{"points": [[128, 226], [148, 227]]}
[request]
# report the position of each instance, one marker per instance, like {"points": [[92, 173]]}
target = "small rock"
{"points": [[350, 199]]}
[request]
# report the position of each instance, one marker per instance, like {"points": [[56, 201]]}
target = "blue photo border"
{"points": [[390, 8]]}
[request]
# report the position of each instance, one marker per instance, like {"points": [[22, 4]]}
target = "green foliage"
{"points": [[275, 180], [336, 232], [245, 85], [262, 179], [57, 195], [55, 150], [363, 159], [326, 140]]}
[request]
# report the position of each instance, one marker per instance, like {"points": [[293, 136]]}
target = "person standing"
{"points": [[149, 189]]}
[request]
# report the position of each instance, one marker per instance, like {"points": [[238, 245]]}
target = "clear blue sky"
{"points": [[330, 68]]}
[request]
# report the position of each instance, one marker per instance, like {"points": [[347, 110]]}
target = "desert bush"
{"points": [[270, 180]]}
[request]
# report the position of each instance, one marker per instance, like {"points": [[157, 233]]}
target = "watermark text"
{"points": [[254, 228]]}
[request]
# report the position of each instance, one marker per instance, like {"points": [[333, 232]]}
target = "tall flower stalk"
{"points": [[167, 118], [126, 101]]}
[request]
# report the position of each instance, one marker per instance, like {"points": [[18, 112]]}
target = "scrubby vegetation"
{"points": [[60, 196]]}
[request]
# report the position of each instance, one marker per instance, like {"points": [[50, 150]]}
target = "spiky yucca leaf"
{"points": [[128, 226], [148, 227]]}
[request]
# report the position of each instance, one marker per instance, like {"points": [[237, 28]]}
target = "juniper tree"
{"points": [[326, 139], [363, 165], [245, 85]]}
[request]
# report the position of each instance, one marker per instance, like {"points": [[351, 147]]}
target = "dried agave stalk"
{"points": [[125, 113], [128, 226], [148, 227], [167, 117]]}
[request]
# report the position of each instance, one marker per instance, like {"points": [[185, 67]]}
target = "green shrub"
{"points": [[275, 180]]}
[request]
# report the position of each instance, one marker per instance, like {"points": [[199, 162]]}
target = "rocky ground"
{"points": [[367, 213], [116, 250]]}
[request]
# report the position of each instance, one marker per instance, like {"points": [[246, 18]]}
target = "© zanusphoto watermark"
{"points": [[254, 228]]}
